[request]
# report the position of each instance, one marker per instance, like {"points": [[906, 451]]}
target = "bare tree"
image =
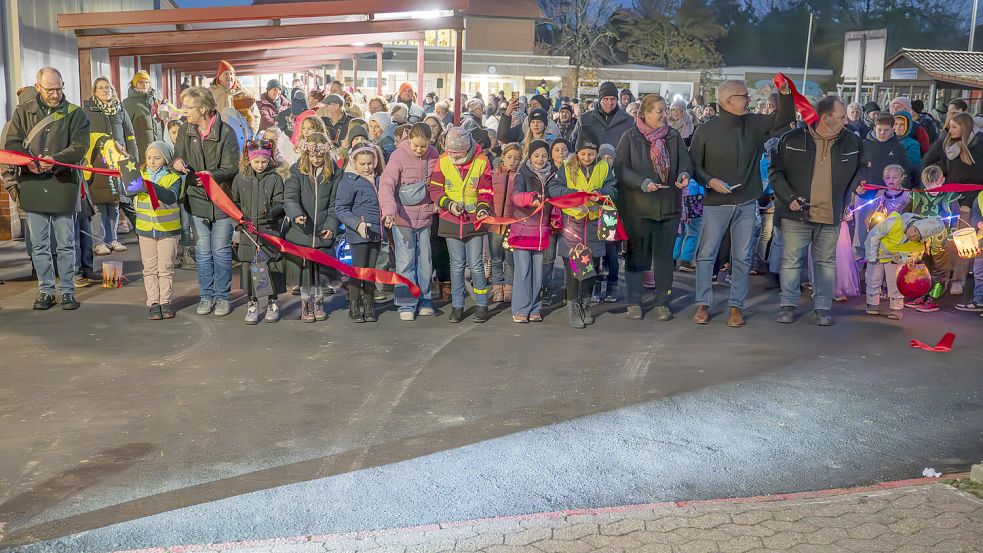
{"points": [[581, 31]]}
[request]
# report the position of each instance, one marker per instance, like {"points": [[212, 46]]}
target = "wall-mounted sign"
{"points": [[904, 74]]}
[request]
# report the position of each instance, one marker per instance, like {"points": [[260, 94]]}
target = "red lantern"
{"points": [[914, 280]]}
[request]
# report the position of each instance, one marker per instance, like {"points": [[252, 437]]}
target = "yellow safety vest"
{"points": [[577, 181], [167, 217], [463, 189], [895, 240]]}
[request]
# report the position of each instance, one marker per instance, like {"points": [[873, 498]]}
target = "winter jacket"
{"points": [[65, 140], [508, 133], [119, 127], [608, 128], [166, 219], [223, 96], [337, 132], [877, 155], [260, 198], [217, 153], [532, 234], [941, 204], [414, 113], [147, 127], [633, 165], [584, 230], [503, 185], [909, 142], [239, 125], [301, 197], [269, 110], [888, 238], [567, 130], [404, 167], [357, 200], [478, 194], [793, 164], [728, 147], [955, 170], [473, 125], [931, 126], [298, 101], [387, 142]]}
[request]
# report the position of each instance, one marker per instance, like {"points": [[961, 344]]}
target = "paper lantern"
{"points": [[966, 242], [877, 217], [914, 280]]}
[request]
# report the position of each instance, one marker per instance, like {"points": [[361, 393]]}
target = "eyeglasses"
{"points": [[747, 97], [51, 90]]}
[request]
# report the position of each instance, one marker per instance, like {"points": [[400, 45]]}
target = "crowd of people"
{"points": [[487, 207]]}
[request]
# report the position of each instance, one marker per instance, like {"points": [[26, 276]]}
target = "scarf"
{"points": [[111, 107], [544, 174], [657, 147]]}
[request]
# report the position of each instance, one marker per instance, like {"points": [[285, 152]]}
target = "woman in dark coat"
{"points": [[653, 167], [107, 118]]}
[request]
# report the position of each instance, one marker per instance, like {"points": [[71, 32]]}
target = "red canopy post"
{"points": [[378, 73], [355, 74], [458, 65], [419, 71], [85, 74], [114, 75]]}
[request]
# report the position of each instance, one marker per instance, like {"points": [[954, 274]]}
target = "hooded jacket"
{"points": [[908, 140], [404, 167], [889, 238], [302, 197], [357, 200], [120, 128], [147, 127]]}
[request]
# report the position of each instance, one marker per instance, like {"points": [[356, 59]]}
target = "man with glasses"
{"points": [[49, 127], [726, 151]]}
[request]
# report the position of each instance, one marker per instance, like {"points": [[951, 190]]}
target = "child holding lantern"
{"points": [[928, 203], [888, 245]]}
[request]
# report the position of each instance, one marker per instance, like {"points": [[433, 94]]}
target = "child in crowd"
{"points": [[186, 249], [258, 191], [610, 256], [357, 207], [888, 246], [583, 172], [503, 183], [895, 198], [403, 133], [531, 237], [558, 153], [159, 230], [173, 126], [308, 196], [926, 203]]}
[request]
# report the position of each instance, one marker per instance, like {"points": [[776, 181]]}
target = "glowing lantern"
{"points": [[966, 242], [877, 217], [914, 280]]}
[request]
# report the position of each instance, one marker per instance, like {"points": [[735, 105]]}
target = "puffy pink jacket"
{"points": [[404, 167]]}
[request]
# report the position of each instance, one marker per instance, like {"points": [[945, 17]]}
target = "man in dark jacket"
{"points": [[205, 143], [726, 151], [49, 127], [607, 122], [566, 121], [337, 120], [811, 172], [141, 105]]}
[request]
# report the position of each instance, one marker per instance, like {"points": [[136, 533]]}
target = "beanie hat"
{"points": [[458, 139], [567, 107], [904, 101], [399, 113], [333, 99], [164, 148], [871, 106], [539, 115], [382, 118], [223, 66], [560, 141], [928, 227], [404, 88], [139, 76], [474, 103], [273, 83], [586, 141], [606, 149], [606, 89], [357, 130], [537, 144], [681, 104], [542, 101]]}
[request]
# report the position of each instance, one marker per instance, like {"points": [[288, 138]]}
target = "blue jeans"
{"points": [[83, 245], [108, 217], [685, 248], [799, 238], [527, 282], [412, 249], [187, 235], [467, 253], [975, 218], [42, 227], [213, 253], [716, 220], [501, 259]]}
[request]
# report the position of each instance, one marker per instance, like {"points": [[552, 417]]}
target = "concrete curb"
{"points": [[218, 547]]}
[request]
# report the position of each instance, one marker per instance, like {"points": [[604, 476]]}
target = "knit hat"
{"points": [[586, 141], [560, 141], [458, 139], [928, 227], [542, 101], [474, 103], [164, 148], [606, 89], [357, 130], [904, 101], [399, 113], [139, 76], [333, 99], [539, 115], [405, 87], [224, 66], [567, 107], [273, 83], [681, 104], [871, 106], [606, 149], [537, 144], [382, 118]]}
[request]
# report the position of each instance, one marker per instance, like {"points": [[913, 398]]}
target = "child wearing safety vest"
{"points": [[887, 247], [461, 186], [582, 172], [159, 230]]}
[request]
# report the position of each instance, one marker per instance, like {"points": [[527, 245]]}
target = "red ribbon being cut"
{"points": [[953, 187], [944, 345], [802, 104]]}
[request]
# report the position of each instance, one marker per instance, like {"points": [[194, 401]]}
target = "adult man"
{"points": [[567, 122], [608, 122], [225, 85], [142, 106], [298, 98], [414, 113], [957, 105], [903, 103], [271, 104], [811, 172], [49, 127], [726, 150], [205, 143], [336, 120], [472, 122]]}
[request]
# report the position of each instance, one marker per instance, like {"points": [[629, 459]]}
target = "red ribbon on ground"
{"points": [[944, 345], [802, 104], [953, 187], [223, 202], [10, 157]]}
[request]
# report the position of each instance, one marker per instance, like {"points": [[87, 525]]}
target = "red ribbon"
{"points": [[576, 199], [954, 187], [802, 104], [223, 202], [944, 345]]}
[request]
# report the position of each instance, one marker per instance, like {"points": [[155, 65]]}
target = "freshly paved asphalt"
{"points": [[120, 433]]}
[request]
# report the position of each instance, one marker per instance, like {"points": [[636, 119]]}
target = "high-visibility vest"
{"points": [[895, 240], [463, 189], [577, 181], [167, 217]]}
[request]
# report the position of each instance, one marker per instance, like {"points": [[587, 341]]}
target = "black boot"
{"points": [[355, 309], [575, 315], [368, 308], [457, 315], [585, 311], [480, 314]]}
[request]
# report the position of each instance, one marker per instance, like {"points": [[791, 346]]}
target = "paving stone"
{"points": [[864, 546], [698, 546], [666, 524], [740, 544], [613, 542], [752, 517], [480, 542], [653, 548], [563, 546], [622, 527], [829, 535], [529, 536], [575, 531], [783, 540]]}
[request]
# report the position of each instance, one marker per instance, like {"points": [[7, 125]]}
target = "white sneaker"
{"points": [[407, 316], [272, 312], [956, 289], [116, 246], [427, 312], [102, 249], [252, 313]]}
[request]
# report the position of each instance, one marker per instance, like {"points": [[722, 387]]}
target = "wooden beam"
{"points": [[272, 65], [279, 11], [233, 44], [364, 28], [234, 57], [85, 75]]}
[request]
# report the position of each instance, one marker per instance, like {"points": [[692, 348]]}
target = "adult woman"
{"points": [[436, 132], [653, 165], [377, 104], [680, 120], [205, 143], [107, 118], [855, 120]]}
